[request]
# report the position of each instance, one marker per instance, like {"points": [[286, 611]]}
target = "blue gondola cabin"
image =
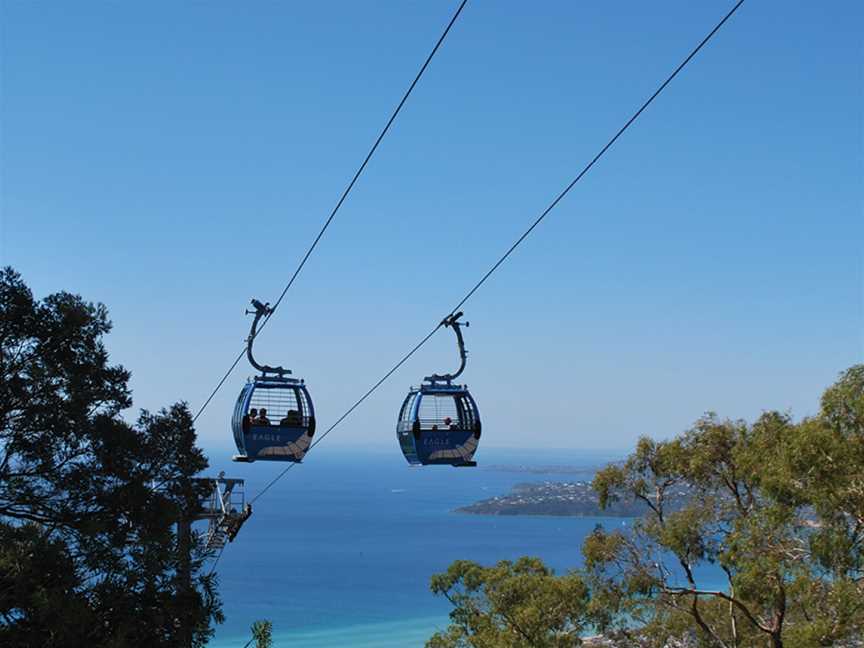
{"points": [[273, 420], [439, 424]]}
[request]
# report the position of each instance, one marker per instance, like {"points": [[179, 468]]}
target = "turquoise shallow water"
{"points": [[340, 551], [386, 634]]}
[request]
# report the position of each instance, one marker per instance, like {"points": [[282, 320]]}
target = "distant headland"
{"points": [[543, 470], [575, 499]]}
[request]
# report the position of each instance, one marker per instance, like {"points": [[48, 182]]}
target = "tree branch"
{"points": [[682, 591]]}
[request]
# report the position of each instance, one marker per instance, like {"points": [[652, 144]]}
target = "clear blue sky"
{"points": [[173, 160]]}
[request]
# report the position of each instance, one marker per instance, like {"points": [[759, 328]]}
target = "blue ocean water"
{"points": [[340, 551]]}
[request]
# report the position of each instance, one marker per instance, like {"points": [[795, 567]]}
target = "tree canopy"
{"points": [[89, 502], [775, 507], [518, 604]]}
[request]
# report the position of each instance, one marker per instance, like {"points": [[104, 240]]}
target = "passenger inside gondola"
{"points": [[262, 418], [249, 419], [292, 419]]}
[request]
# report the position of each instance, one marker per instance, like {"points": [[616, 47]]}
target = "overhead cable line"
{"points": [[594, 160], [339, 202], [216, 561], [353, 407], [518, 241]]}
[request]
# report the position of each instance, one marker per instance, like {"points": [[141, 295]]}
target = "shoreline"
{"points": [[386, 634]]}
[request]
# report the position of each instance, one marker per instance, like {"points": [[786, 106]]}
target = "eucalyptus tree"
{"points": [[753, 536], [777, 506], [520, 604]]}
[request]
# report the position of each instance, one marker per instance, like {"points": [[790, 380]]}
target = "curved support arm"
{"points": [[260, 311], [453, 322]]}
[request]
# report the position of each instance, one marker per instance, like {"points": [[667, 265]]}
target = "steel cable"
{"points": [[518, 241], [339, 202]]}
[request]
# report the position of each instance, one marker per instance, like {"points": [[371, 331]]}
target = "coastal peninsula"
{"points": [[573, 498]]}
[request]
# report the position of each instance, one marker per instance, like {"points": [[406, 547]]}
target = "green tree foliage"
{"points": [[778, 506], [262, 634], [510, 605], [89, 502]]}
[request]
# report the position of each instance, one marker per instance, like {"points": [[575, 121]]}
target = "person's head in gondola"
{"points": [[262, 418]]}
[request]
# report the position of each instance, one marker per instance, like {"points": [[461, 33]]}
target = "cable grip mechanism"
{"points": [[261, 310], [452, 321]]}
